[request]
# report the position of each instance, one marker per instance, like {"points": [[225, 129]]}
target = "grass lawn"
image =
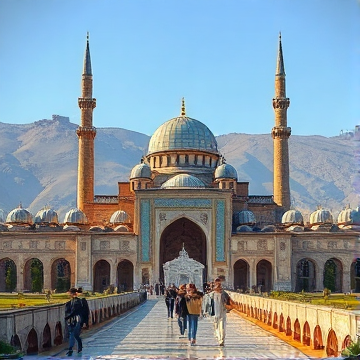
{"points": [[341, 301], [15, 301]]}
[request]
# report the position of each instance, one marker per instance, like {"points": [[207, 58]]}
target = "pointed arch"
{"points": [[32, 347], [46, 341], [318, 341], [182, 232], [33, 275], [58, 334], [333, 275], [306, 338], [241, 275], [8, 275], [264, 275], [60, 275], [125, 276], [101, 276], [305, 275], [332, 347]]}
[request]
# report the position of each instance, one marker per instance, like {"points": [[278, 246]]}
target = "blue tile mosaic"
{"points": [[220, 230], [145, 229], [193, 203]]}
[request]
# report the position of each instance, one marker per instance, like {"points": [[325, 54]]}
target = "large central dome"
{"points": [[182, 133]]}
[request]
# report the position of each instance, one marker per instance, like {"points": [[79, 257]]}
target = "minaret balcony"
{"points": [[281, 132], [281, 103], [86, 131], [87, 103]]}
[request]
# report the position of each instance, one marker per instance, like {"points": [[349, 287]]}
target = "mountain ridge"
{"points": [[38, 165]]}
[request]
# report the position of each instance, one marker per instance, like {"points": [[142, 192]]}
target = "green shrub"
{"points": [[352, 350], [6, 348]]}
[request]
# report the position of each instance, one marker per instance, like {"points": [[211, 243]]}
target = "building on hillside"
{"points": [[182, 196]]}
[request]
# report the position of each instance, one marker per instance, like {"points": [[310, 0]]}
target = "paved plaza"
{"points": [[146, 333]]}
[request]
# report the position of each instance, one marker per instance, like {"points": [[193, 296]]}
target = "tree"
{"points": [[10, 276], [36, 275]]}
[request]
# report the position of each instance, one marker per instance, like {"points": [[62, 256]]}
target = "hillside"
{"points": [[38, 165]]}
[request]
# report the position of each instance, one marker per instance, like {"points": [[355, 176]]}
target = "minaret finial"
{"points": [[280, 69], [87, 60], [183, 111]]}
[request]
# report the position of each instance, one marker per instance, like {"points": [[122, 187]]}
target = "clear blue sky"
{"points": [[147, 54]]}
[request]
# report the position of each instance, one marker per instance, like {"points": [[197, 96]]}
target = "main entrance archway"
{"points": [[182, 232]]}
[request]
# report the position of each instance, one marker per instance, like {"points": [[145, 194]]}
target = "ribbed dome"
{"points": [[2, 216], [119, 217], [121, 228], [20, 216], [225, 171], [243, 228], [349, 216], [140, 171], [75, 216], [244, 217], [46, 216], [180, 133], [321, 216], [292, 217], [183, 181]]}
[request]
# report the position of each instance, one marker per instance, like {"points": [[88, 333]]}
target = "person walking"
{"points": [[73, 309], [193, 299], [220, 299], [170, 296], [181, 310]]}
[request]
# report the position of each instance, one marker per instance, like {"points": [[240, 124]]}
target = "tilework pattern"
{"points": [[192, 203], [220, 230], [145, 229]]}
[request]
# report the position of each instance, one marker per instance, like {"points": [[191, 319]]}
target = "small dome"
{"points": [[46, 216], [182, 133], [225, 171], [96, 228], [121, 228], [321, 216], [349, 216], [2, 216], [119, 217], [75, 216], [268, 228], [244, 217], [243, 228], [20, 216], [292, 217], [71, 228], [140, 171], [183, 181]]}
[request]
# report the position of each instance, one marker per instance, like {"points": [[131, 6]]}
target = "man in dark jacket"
{"points": [[73, 309]]}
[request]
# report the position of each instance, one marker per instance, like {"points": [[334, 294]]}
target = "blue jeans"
{"points": [[170, 307], [74, 333], [192, 327], [182, 324]]}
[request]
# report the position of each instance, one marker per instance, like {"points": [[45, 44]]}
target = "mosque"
{"points": [[181, 201]]}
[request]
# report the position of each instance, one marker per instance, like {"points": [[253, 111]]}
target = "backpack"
{"points": [[84, 312]]}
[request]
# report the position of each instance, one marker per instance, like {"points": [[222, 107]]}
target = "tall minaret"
{"points": [[281, 133], [86, 134]]}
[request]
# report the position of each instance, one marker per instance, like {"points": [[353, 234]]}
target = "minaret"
{"points": [[281, 133], [86, 134]]}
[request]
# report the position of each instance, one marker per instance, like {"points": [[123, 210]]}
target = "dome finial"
{"points": [[183, 111]]}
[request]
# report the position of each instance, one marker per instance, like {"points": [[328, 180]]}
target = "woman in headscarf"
{"points": [[194, 305]]}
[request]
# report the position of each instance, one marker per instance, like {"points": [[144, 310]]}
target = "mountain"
{"points": [[38, 165]]}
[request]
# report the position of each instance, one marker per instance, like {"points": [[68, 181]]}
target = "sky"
{"points": [[148, 54]]}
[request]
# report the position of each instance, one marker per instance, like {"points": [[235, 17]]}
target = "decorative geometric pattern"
{"points": [[193, 203], [145, 229], [220, 230]]}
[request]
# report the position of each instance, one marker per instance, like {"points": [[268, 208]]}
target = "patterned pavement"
{"points": [[146, 333]]}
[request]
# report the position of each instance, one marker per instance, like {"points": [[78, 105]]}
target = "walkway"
{"points": [[146, 333]]}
